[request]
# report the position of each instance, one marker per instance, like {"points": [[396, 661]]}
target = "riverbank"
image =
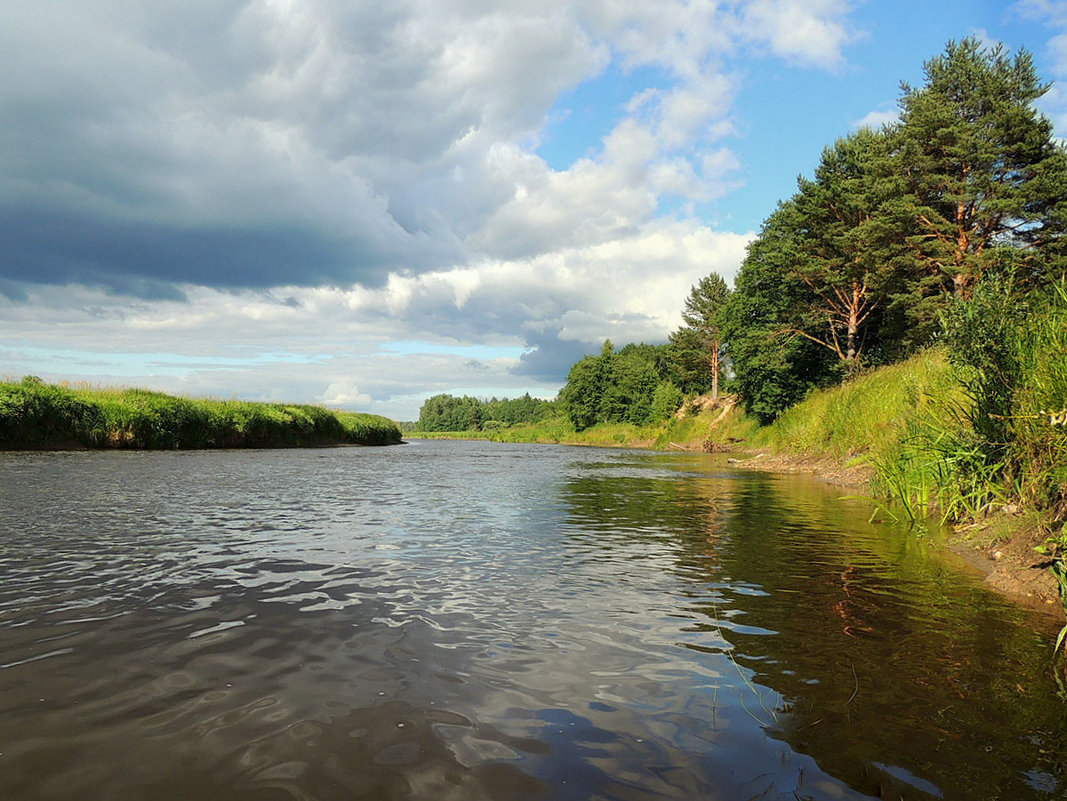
{"points": [[864, 436], [39, 416], [1000, 547]]}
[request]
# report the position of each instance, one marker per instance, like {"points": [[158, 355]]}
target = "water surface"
{"points": [[449, 620]]}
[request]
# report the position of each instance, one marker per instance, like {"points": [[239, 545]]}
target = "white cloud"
{"points": [[877, 118], [331, 345], [1053, 13], [810, 32], [319, 178], [392, 136]]}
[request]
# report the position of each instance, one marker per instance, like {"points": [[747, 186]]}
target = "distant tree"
{"points": [[665, 400], [582, 394], [615, 387], [630, 382], [696, 347], [449, 413], [509, 412]]}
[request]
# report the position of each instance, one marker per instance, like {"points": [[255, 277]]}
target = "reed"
{"points": [[34, 414]]}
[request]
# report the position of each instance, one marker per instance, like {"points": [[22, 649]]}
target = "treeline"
{"points": [[34, 414], [642, 384], [873, 257], [638, 384], [898, 228], [450, 413], [634, 385]]}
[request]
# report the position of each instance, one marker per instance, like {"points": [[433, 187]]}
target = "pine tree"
{"points": [[981, 165], [696, 347], [773, 370]]}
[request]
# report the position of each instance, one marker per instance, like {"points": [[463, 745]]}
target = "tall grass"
{"points": [[863, 417], [34, 414], [999, 439], [1038, 451]]}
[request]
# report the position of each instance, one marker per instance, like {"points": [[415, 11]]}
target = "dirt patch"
{"points": [[1003, 550], [831, 471]]}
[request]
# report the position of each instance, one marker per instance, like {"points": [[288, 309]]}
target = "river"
{"points": [[458, 620]]}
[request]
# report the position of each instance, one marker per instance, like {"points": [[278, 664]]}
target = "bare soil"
{"points": [[1003, 550]]}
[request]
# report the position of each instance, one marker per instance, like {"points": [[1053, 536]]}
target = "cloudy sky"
{"points": [[364, 203]]}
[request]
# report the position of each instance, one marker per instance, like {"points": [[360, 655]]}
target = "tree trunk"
{"points": [[715, 370], [853, 324]]}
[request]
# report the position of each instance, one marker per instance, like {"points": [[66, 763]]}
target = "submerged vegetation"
{"points": [[34, 414]]}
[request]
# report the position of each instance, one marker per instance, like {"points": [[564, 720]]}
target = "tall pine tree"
{"points": [[981, 165]]}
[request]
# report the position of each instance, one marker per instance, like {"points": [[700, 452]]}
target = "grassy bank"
{"points": [[38, 415], [915, 428], [719, 425]]}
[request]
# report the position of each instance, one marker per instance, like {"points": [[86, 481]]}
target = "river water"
{"points": [[456, 620]]}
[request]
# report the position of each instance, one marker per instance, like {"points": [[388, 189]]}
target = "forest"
{"points": [[945, 228], [943, 232]]}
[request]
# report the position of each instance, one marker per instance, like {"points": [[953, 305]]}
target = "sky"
{"points": [[363, 204]]}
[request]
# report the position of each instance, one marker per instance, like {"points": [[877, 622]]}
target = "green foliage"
{"points": [[985, 340], [449, 413], [1038, 447], [34, 414], [696, 349], [581, 395], [773, 369], [614, 387], [1000, 438], [981, 164], [867, 255], [849, 247], [368, 429], [665, 400], [629, 386], [864, 416]]}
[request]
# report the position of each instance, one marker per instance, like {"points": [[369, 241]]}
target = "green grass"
{"points": [[689, 431], [38, 415], [910, 423], [866, 415]]}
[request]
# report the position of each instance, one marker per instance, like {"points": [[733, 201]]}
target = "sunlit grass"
{"points": [[34, 414], [865, 415]]}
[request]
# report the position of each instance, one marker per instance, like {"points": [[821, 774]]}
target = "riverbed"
{"points": [[473, 620]]}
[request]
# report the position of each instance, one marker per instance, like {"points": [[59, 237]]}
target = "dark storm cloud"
{"points": [[550, 359], [147, 259], [247, 144]]}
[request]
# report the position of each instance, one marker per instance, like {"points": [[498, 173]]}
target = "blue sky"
{"points": [[363, 205]]}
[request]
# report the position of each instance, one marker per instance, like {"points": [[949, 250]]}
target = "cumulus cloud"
{"points": [[252, 143], [810, 32], [290, 184], [877, 118], [1053, 14], [337, 345]]}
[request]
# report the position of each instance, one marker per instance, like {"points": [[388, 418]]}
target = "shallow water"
{"points": [[450, 620]]}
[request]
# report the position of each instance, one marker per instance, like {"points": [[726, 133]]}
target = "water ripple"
{"points": [[470, 621]]}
